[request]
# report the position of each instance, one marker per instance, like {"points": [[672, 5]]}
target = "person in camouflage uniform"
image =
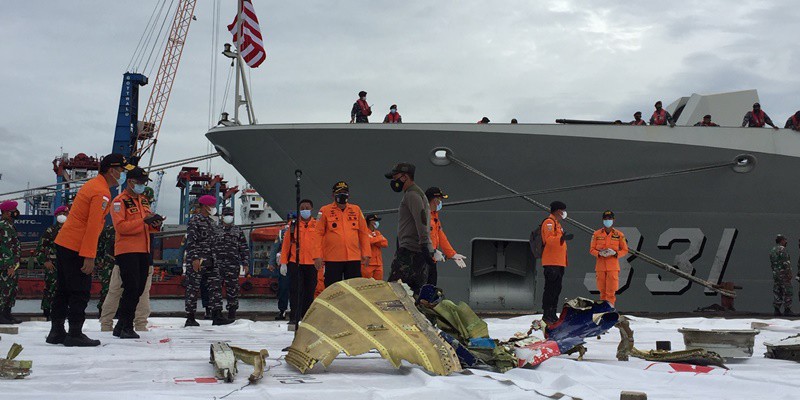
{"points": [[46, 259], [104, 263], [782, 277], [231, 253], [201, 233], [9, 261]]}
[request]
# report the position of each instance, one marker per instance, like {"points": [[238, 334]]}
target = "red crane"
{"points": [[159, 97]]}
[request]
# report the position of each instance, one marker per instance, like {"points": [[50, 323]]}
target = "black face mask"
{"points": [[396, 185], [341, 198]]}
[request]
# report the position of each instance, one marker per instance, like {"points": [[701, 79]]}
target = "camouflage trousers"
{"points": [[49, 292], [409, 267], [104, 276], [192, 281], [8, 290], [229, 275], [782, 288]]}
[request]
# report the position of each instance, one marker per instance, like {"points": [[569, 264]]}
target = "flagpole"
{"points": [[236, 99]]}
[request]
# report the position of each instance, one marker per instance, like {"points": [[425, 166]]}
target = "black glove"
{"points": [[154, 219], [567, 236]]}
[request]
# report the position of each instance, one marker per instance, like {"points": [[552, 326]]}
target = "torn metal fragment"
{"points": [[14, 369], [379, 315], [224, 358], [784, 349], [257, 359], [693, 356], [728, 343]]}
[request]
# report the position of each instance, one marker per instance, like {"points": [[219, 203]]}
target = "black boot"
{"points": [[4, 320], [7, 314], [778, 312], [76, 338], [190, 321], [787, 312], [232, 314], [46, 314], [127, 331], [117, 329], [218, 319], [208, 314], [281, 316], [57, 332]]}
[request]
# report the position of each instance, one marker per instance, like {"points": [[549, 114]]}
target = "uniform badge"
{"points": [[117, 206], [104, 205]]}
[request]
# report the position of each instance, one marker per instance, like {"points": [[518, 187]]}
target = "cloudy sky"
{"points": [[440, 61]]}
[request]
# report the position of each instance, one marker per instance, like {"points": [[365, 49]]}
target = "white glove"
{"points": [[284, 269], [438, 256], [277, 256], [459, 260], [610, 252]]}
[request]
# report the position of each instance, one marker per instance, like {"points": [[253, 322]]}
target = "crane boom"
{"points": [[159, 97]]}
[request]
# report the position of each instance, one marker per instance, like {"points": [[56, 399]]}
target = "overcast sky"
{"points": [[440, 61]]}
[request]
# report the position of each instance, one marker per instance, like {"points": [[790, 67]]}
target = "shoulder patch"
{"points": [[117, 206]]}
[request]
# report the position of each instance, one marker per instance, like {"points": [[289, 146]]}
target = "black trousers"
{"points": [[552, 286], [73, 289], [433, 276], [336, 271], [133, 268], [302, 283]]}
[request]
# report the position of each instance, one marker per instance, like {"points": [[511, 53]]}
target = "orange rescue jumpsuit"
{"points": [[86, 218], [607, 268], [375, 268]]}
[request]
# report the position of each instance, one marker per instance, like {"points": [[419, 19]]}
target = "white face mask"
{"points": [[61, 218], [211, 210], [228, 219], [563, 215]]}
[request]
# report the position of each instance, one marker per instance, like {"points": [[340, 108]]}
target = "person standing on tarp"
{"points": [[9, 261], [274, 263], [343, 237], [76, 249], [201, 233], [377, 243], [232, 254], [302, 273], [414, 255], [436, 198], [46, 258], [554, 258], [608, 246], [781, 277]]}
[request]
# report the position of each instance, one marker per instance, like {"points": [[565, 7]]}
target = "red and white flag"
{"points": [[249, 42]]}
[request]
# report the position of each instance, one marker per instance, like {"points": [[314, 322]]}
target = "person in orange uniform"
{"points": [[377, 242], [343, 238], [608, 246], [76, 248], [554, 258], [302, 275], [435, 198], [133, 224]]}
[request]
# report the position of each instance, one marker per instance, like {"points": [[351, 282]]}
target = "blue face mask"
{"points": [[608, 223], [305, 214], [122, 177], [377, 224], [138, 188], [439, 206]]}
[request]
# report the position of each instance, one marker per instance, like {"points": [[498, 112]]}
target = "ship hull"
{"points": [[717, 224]]}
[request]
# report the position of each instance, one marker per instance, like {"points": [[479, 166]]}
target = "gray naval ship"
{"points": [[716, 223]]}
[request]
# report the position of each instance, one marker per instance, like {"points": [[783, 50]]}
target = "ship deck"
{"points": [[170, 362]]}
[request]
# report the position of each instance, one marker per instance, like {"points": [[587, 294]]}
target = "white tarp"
{"points": [[170, 362]]}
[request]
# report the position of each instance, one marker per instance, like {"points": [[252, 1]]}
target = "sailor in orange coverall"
{"points": [[377, 242], [608, 245]]}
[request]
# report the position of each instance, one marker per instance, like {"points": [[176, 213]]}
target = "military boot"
{"points": [[281, 316], [57, 332], [232, 314], [190, 321], [127, 331], [778, 312], [787, 312], [218, 319], [117, 329], [4, 320], [46, 314], [76, 338], [208, 314], [8, 316]]}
